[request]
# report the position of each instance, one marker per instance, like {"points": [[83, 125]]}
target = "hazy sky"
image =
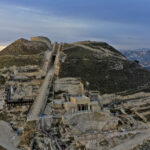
{"points": [[121, 23]]}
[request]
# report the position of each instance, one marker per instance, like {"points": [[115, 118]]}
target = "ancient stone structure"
{"points": [[72, 86], [81, 103], [42, 39]]}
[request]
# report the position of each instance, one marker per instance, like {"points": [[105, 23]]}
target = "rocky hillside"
{"points": [[101, 67], [23, 52], [142, 55], [24, 47]]}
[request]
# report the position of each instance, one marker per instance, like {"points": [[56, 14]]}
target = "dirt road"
{"points": [[131, 143], [8, 139]]}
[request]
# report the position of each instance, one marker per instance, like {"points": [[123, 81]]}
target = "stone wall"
{"points": [[42, 39]]}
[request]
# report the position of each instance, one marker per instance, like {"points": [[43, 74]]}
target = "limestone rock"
{"points": [[71, 86]]}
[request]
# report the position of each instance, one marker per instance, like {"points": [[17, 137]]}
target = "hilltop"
{"points": [[24, 47], [101, 67], [23, 52]]}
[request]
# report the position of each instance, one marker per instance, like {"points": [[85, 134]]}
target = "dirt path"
{"points": [[131, 143], [107, 52], [8, 138]]}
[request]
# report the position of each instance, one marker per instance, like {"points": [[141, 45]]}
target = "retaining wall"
{"points": [[42, 39]]}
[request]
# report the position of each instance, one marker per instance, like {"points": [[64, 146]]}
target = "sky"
{"points": [[125, 24]]}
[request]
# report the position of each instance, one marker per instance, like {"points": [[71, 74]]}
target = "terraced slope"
{"points": [[101, 67]]}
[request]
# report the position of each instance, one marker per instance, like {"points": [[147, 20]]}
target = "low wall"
{"points": [[42, 39]]}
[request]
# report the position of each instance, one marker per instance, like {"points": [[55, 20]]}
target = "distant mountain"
{"points": [[142, 55]]}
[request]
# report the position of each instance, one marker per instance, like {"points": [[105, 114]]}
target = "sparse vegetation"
{"points": [[4, 116], [24, 47], [28, 133], [102, 71], [2, 80], [99, 45], [23, 52], [67, 45], [7, 60]]}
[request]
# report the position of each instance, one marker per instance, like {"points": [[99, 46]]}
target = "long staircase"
{"points": [[41, 100]]}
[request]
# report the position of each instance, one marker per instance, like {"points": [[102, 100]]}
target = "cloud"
{"points": [[26, 24], [92, 21]]}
